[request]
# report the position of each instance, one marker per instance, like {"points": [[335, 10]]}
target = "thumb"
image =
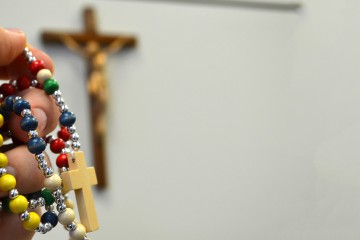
{"points": [[12, 43]]}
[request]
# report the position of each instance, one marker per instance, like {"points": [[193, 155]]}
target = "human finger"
{"points": [[13, 41]]}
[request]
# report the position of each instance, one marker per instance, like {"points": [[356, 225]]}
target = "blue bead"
{"points": [[9, 102], [28, 123], [36, 145], [20, 105], [67, 119], [49, 217]]}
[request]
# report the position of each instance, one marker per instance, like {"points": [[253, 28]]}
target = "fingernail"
{"points": [[14, 30], [40, 115]]}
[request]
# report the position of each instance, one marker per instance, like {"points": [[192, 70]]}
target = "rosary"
{"points": [[73, 173]]}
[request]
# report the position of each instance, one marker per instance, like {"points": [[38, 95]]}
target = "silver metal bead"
{"points": [[48, 227], [57, 193], [34, 82], [48, 172], [26, 112], [41, 202], [74, 137], [64, 108], [3, 171], [26, 50], [42, 165], [61, 208], [64, 169], [33, 204], [1, 206], [57, 94], [60, 200], [24, 216], [33, 134], [49, 208], [13, 83], [13, 193], [71, 129], [76, 145], [71, 226], [60, 100], [17, 98], [40, 157], [31, 59], [40, 228]]}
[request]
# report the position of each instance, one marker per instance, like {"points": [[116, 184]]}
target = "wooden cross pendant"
{"points": [[80, 178], [94, 47]]}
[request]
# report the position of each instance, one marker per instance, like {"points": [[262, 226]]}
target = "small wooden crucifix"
{"points": [[94, 47]]}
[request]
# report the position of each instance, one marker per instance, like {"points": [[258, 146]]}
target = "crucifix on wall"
{"points": [[94, 47]]}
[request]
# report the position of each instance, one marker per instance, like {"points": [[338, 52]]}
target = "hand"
{"points": [[22, 164]]}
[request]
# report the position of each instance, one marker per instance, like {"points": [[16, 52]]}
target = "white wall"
{"points": [[226, 123]]}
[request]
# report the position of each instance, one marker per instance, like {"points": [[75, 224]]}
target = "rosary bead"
{"points": [[67, 119], [63, 134], [28, 123], [33, 222], [32, 134], [76, 145], [1, 120], [57, 145], [57, 193], [69, 203], [36, 66], [61, 207], [40, 157], [49, 217], [41, 202], [48, 172], [3, 160], [43, 75], [3, 172], [33, 204], [47, 195], [71, 226], [9, 102], [13, 193], [26, 112], [20, 105], [19, 204], [23, 83], [36, 145], [42, 165], [24, 216], [52, 182], [7, 182], [6, 89], [79, 233], [65, 218], [50, 86], [62, 161], [1, 140]]}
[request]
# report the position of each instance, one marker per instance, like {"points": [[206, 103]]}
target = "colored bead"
{"points": [[33, 222], [36, 145], [49, 217], [69, 203], [36, 66], [79, 233], [7, 182], [47, 195], [23, 83], [52, 182], [20, 105], [57, 145], [64, 134], [67, 217], [3, 160], [1, 120], [28, 123], [1, 140], [50, 86], [9, 102], [43, 75], [6, 89], [67, 119], [62, 161], [19, 204]]}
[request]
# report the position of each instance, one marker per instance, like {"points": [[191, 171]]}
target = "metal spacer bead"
{"points": [[63, 169], [57, 94], [33, 134], [48, 172], [60, 200], [34, 82], [41, 202], [33, 204], [71, 129], [74, 137], [14, 83], [57, 193], [49, 208], [60, 100], [24, 216], [61, 208], [3, 171], [26, 112], [40, 228], [17, 98], [64, 108], [76, 145], [71, 226], [1, 206], [48, 227], [13, 193], [40, 157], [42, 165]]}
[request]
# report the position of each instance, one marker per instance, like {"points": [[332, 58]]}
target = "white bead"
{"points": [[43, 75], [53, 182], [79, 233], [69, 203], [66, 217]]}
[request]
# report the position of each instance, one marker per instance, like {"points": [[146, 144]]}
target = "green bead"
{"points": [[49, 198], [50, 86]]}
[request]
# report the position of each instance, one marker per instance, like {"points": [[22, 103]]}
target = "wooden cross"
{"points": [[94, 47], [80, 178]]}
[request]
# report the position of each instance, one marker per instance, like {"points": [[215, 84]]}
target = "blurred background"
{"points": [[227, 121]]}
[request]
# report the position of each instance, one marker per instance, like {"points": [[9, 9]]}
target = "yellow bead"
{"points": [[1, 120], [19, 204], [3, 160], [7, 182], [33, 222], [1, 140]]}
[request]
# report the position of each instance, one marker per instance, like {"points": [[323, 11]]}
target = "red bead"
{"points": [[23, 83], [63, 134], [6, 89], [57, 145], [62, 161], [36, 66]]}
